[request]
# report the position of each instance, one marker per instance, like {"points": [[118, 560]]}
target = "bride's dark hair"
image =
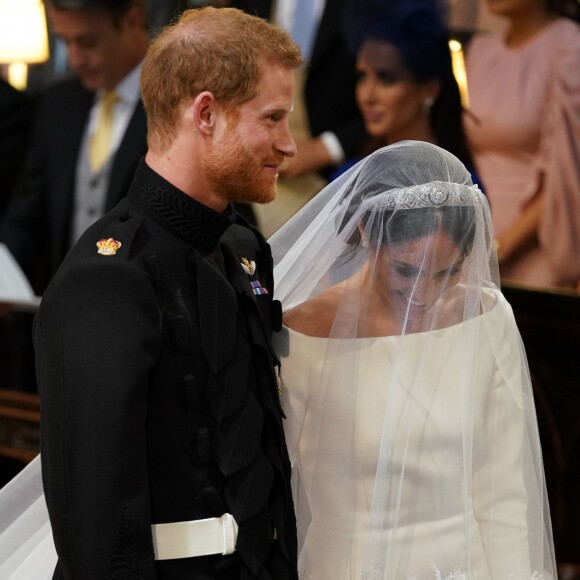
{"points": [[410, 224], [410, 209]]}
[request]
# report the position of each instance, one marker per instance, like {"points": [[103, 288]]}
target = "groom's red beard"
{"points": [[240, 176]]}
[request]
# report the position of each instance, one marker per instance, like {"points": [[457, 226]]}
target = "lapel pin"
{"points": [[249, 267], [108, 247]]}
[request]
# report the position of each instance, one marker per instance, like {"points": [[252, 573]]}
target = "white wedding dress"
{"points": [[428, 535]]}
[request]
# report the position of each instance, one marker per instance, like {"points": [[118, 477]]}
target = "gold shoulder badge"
{"points": [[249, 267], [108, 247]]}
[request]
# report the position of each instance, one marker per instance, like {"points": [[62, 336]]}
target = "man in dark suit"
{"points": [[335, 123], [163, 452], [61, 193]]}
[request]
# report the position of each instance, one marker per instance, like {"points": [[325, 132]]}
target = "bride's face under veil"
{"points": [[408, 286], [410, 416]]}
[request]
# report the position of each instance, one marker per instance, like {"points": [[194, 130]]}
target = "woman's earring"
{"points": [[428, 103], [364, 243]]}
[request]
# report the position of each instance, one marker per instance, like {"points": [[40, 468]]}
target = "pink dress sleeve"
{"points": [[559, 228]]}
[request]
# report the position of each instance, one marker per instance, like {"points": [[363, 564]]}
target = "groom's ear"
{"points": [[203, 113]]}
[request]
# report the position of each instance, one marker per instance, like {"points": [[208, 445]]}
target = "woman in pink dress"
{"points": [[524, 132]]}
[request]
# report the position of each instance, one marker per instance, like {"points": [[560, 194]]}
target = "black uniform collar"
{"points": [[196, 223]]}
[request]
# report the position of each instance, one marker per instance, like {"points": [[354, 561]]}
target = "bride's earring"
{"points": [[363, 239]]}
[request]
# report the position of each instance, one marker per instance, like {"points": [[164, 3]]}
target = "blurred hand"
{"points": [[311, 155]]}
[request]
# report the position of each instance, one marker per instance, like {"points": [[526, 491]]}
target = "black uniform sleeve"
{"points": [[97, 338]]}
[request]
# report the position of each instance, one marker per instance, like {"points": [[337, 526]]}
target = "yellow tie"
{"points": [[100, 142]]}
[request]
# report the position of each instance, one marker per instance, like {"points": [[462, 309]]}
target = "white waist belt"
{"points": [[195, 538]]}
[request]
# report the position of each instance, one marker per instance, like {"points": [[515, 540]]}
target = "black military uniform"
{"points": [[159, 392]]}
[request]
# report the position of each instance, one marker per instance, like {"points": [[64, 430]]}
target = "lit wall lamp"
{"points": [[458, 63], [23, 38]]}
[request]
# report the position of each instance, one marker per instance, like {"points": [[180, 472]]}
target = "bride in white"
{"points": [[410, 415]]}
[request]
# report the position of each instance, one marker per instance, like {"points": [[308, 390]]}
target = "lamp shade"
{"points": [[23, 35]]}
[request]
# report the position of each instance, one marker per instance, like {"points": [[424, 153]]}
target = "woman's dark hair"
{"points": [[406, 225], [567, 8], [415, 28], [115, 8], [446, 119], [416, 188]]}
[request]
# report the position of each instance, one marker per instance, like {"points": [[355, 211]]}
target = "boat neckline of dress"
{"points": [[493, 294]]}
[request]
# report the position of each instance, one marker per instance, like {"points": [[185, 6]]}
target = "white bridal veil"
{"points": [[26, 548], [410, 416]]}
